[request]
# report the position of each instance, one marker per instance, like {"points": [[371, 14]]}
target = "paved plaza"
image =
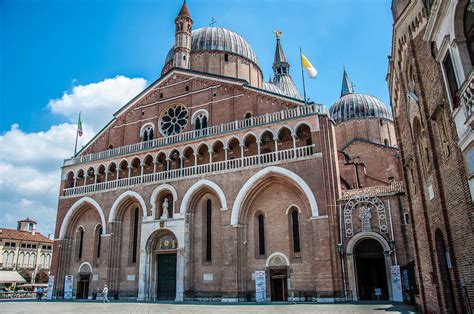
{"points": [[120, 307]]}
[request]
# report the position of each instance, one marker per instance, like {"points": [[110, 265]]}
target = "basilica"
{"points": [[212, 175]]}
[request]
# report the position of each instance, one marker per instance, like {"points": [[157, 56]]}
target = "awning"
{"points": [[10, 276]]}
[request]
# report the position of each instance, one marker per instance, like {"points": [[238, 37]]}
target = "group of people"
{"points": [[105, 294]]}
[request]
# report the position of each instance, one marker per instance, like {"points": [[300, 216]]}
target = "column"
{"points": [[154, 165], [210, 155], [226, 149], [75, 181], [276, 148], [129, 173]]}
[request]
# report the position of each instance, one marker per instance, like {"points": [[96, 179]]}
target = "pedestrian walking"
{"points": [[39, 293], [105, 293]]}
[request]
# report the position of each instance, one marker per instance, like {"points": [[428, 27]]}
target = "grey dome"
{"points": [[218, 39], [357, 106]]}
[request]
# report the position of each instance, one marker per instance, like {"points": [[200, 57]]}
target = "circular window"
{"points": [[174, 120]]}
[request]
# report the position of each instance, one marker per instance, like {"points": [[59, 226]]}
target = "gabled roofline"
{"points": [[226, 79], [359, 139]]}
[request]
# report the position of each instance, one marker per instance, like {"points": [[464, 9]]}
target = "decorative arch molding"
{"points": [[366, 235], [277, 254], [198, 185], [79, 270], [297, 180], [351, 268], [72, 210], [287, 212], [197, 113], [146, 125], [119, 200], [303, 123], [157, 191]]}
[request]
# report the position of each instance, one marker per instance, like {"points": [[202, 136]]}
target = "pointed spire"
{"points": [[184, 10], [347, 87], [279, 54]]}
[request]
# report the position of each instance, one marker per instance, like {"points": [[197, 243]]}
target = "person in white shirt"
{"points": [[105, 293]]}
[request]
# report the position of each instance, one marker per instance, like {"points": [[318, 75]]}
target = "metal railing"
{"points": [[238, 163], [196, 134]]}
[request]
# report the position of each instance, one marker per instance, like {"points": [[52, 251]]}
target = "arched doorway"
{"points": [[371, 272], [166, 268], [277, 268], [162, 264], [83, 281]]}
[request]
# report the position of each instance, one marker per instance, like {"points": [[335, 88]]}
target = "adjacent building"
{"points": [[211, 174], [26, 251], [431, 86]]}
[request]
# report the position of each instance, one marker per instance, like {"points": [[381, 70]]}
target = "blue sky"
{"points": [[61, 56], [50, 45]]}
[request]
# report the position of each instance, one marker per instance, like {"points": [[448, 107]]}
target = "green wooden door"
{"points": [[166, 277]]}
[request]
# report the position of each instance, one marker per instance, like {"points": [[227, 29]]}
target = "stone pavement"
{"points": [[135, 307]]}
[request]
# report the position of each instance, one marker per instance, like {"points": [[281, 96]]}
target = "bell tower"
{"points": [[182, 46]]}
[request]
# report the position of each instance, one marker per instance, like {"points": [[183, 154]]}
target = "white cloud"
{"points": [[97, 101], [30, 163]]}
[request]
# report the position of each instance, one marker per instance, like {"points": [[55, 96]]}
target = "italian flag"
{"points": [[79, 126]]}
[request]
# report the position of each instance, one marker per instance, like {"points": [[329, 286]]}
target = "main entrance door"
{"points": [[166, 289], [278, 285], [83, 287], [371, 271]]}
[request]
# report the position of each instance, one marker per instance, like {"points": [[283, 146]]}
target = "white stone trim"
{"points": [[196, 186], [158, 190], [79, 203], [263, 173], [351, 268], [84, 263], [287, 211], [118, 201], [197, 113], [287, 261]]}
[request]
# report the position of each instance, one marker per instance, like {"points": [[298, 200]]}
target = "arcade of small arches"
{"points": [[267, 141]]}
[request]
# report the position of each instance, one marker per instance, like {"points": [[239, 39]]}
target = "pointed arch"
{"points": [[123, 196], [73, 209], [198, 185], [157, 191], [297, 180]]}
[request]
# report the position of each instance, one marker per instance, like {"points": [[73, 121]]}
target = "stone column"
{"points": [[180, 264]]}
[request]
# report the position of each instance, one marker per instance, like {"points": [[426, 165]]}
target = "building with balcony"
{"points": [[431, 85], [211, 174], [26, 251]]}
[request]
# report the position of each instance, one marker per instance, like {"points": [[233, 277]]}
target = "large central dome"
{"points": [[221, 39], [218, 39]]}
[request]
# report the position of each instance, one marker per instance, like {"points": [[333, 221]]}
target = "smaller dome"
{"points": [[357, 106]]}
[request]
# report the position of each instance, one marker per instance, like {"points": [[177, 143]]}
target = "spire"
{"points": [[279, 54], [281, 71], [184, 10], [347, 87]]}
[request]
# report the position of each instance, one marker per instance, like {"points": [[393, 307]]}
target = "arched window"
{"points": [[98, 232], [261, 234], [5, 258], [295, 229], [11, 258], [208, 230], [79, 242], [147, 133], [200, 122], [135, 235], [469, 29], [385, 141]]}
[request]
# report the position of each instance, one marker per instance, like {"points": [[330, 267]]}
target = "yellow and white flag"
{"points": [[312, 72]]}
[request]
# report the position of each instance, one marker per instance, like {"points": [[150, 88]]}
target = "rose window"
{"points": [[174, 120]]}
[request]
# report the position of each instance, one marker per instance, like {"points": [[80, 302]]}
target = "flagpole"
{"points": [[77, 134], [302, 75]]}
